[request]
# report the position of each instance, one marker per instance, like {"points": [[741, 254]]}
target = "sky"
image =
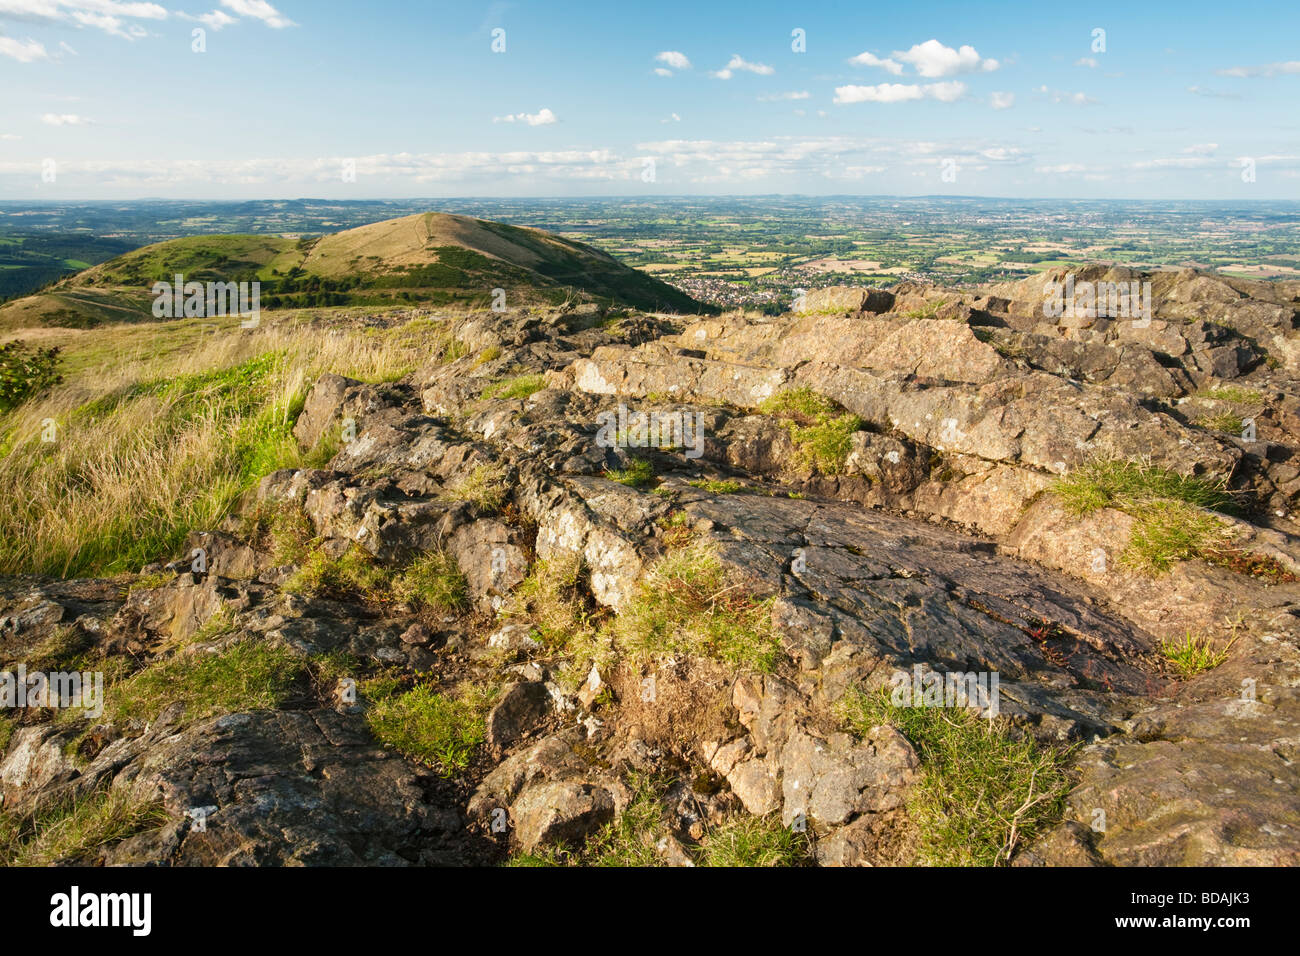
{"points": [[245, 99]]}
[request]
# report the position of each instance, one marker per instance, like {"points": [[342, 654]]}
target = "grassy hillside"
{"points": [[430, 258]]}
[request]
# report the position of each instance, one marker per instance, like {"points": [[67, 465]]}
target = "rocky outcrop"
{"points": [[925, 538]]}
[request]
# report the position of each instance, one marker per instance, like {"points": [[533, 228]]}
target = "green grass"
{"points": [[439, 730], [1167, 531], [247, 675], [718, 486], [822, 432], [433, 580], [748, 841], [484, 486], [1194, 654], [638, 474], [689, 604], [75, 830], [1226, 422], [1114, 483], [519, 387], [1172, 511], [982, 793], [353, 574], [1234, 394]]}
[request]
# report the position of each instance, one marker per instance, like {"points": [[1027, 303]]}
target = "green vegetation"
{"points": [[1167, 531], [718, 486], [1225, 422], [1173, 523], [75, 830], [433, 581], [146, 451], [352, 574], [484, 486], [1113, 483], [1194, 654], [821, 431], [247, 675], [927, 311], [521, 386], [982, 794], [638, 474], [688, 604], [1234, 394], [439, 730], [26, 371]]}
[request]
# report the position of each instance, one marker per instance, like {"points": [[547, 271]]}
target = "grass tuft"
{"points": [[982, 793], [439, 730]]}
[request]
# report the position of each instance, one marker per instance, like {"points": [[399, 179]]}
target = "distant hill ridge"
{"points": [[434, 258]]}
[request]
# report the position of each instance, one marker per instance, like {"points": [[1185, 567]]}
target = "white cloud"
{"points": [[216, 19], [870, 59], [259, 10], [1214, 94], [1202, 149], [1002, 101], [933, 59], [775, 160], [793, 95], [737, 62], [1268, 69], [1065, 169], [24, 51], [946, 92], [64, 119], [673, 59], [1087, 61], [543, 117], [1064, 96], [880, 93], [111, 16], [660, 71], [899, 92], [672, 118], [10, 137]]}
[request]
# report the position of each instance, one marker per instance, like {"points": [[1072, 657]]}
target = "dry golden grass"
{"points": [[147, 448]]}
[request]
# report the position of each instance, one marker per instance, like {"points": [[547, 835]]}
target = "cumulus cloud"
{"points": [[1089, 62], [870, 59], [1202, 149], [24, 51], [1002, 101], [899, 92], [933, 59], [739, 63], [64, 119], [543, 117], [259, 10], [793, 95], [673, 59]]}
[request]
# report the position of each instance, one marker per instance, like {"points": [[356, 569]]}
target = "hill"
{"points": [[434, 258]]}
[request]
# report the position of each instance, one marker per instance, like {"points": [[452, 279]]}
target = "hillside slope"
{"points": [[435, 258]]}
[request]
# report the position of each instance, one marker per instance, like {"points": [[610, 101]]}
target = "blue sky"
{"points": [[108, 99]]}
